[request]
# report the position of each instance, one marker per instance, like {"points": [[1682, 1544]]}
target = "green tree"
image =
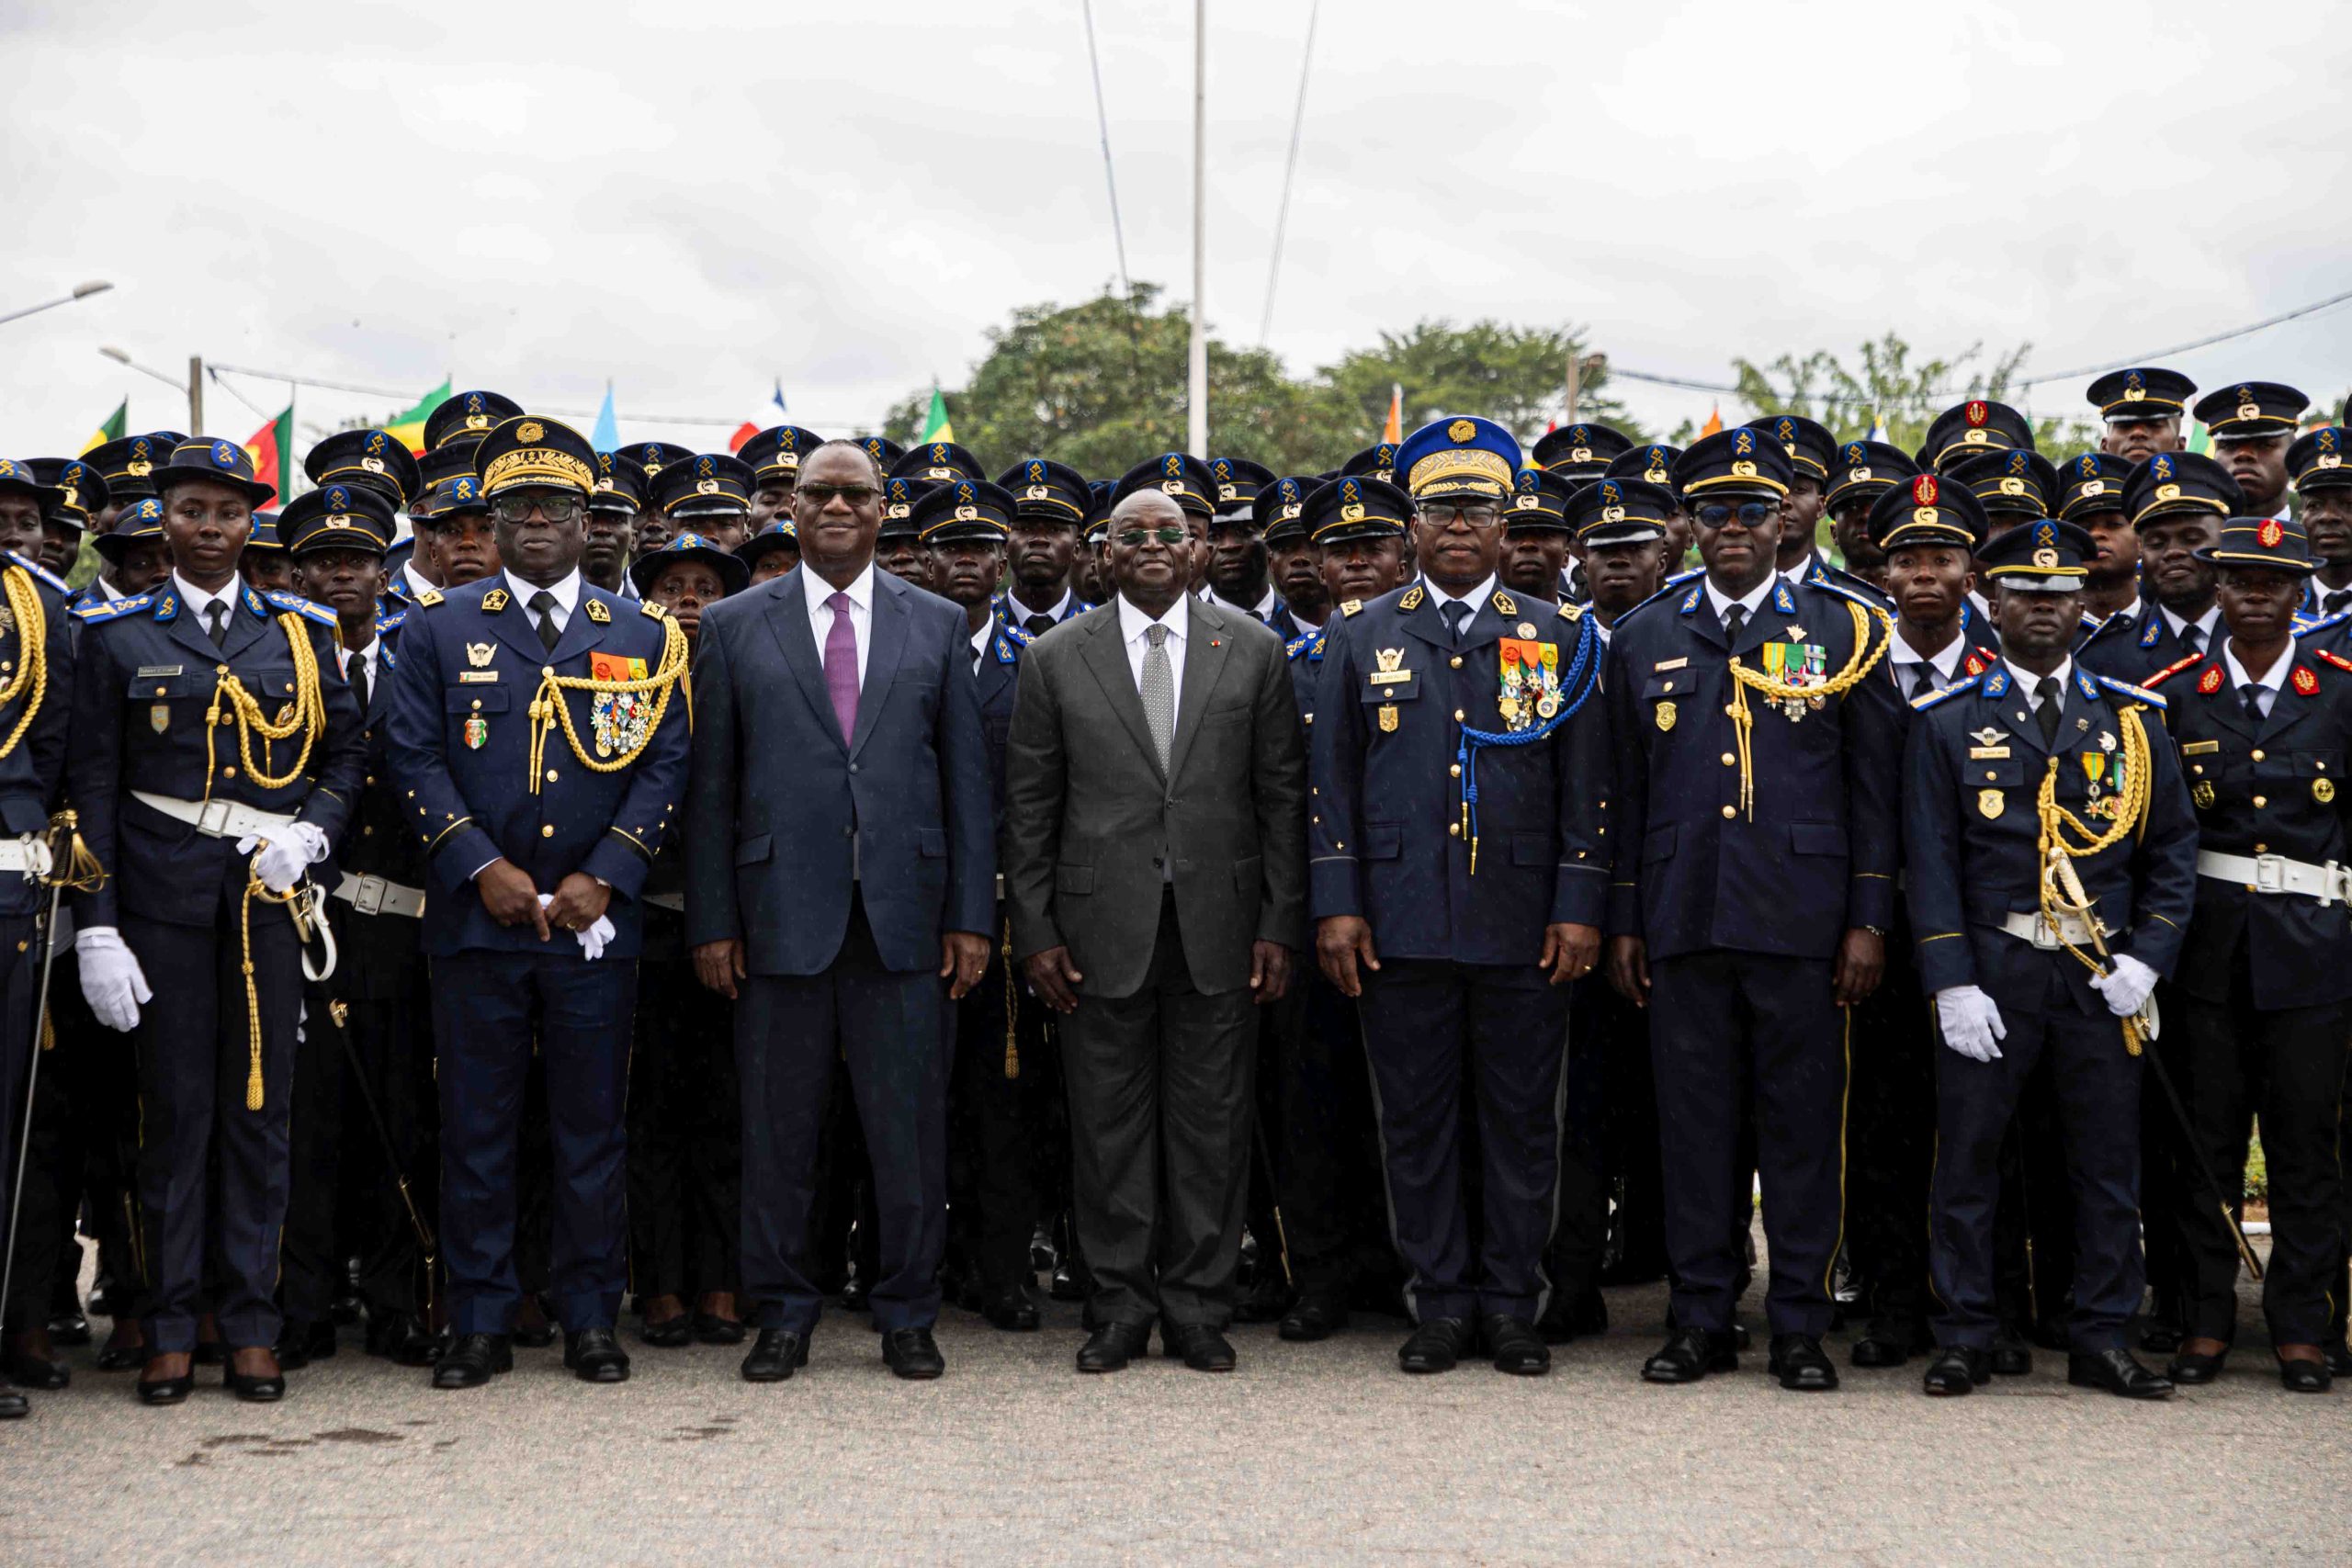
{"points": [[1514, 376], [1889, 384]]}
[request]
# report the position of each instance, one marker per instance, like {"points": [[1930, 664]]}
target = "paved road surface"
{"points": [[1309, 1453]]}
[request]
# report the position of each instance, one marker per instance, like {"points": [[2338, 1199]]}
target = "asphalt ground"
{"points": [[1320, 1453]]}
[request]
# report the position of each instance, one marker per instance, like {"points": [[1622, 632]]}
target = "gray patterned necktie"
{"points": [[1159, 692]]}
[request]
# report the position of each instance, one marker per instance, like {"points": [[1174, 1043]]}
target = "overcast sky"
{"points": [[694, 198]]}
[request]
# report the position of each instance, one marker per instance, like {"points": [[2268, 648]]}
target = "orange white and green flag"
{"points": [[409, 428], [112, 428], [1714, 426], [271, 448], [936, 425], [1394, 430]]}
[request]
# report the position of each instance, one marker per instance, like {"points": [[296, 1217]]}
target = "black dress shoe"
{"points": [[116, 1357], [473, 1360], [1264, 1301], [1515, 1345], [1740, 1339], [166, 1390], [1199, 1346], [913, 1354], [2161, 1336], [1011, 1310], [263, 1388], [2304, 1377], [1437, 1345], [25, 1365], [775, 1356], [1313, 1318], [533, 1330], [1874, 1349], [595, 1355], [2118, 1371], [2188, 1369], [1691, 1355], [1110, 1347], [712, 1329], [111, 1297], [1957, 1369], [669, 1334], [69, 1329], [14, 1406], [401, 1338], [2010, 1357], [1801, 1364], [855, 1293], [299, 1344], [2339, 1359]]}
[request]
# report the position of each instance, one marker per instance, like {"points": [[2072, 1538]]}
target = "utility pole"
{"points": [[195, 394], [1196, 424], [1575, 379]]}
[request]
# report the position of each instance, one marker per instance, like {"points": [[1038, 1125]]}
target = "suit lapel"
{"points": [[786, 618], [514, 626], [1105, 655], [2015, 705], [580, 634], [1204, 652], [886, 640]]}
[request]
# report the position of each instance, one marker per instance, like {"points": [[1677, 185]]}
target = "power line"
{"points": [[410, 395], [1103, 128], [2328, 304], [1290, 167]]}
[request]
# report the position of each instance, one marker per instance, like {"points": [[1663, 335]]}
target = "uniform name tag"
{"points": [[476, 677], [1987, 753], [1669, 664], [2199, 748], [1388, 677], [150, 671]]}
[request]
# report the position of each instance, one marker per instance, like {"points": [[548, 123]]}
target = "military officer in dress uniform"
{"points": [[2264, 728], [2251, 423], [80, 495], [2176, 502], [215, 757], [771, 552], [454, 517], [373, 459], [1967, 429], [1293, 561], [1654, 464], [2090, 489], [535, 734], [36, 687], [1051, 501], [2141, 409], [2050, 856], [775, 457], [1452, 703], [1581, 452], [1757, 928], [1536, 537], [264, 564], [1860, 473], [1810, 450], [685, 1118], [654, 525], [2323, 506], [136, 554], [709, 494], [612, 508], [1325, 1137], [898, 548], [1239, 575], [2013, 486], [1377, 461]]}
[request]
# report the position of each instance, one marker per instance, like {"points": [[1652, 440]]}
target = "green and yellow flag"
{"points": [[935, 426], [112, 429], [409, 428]]}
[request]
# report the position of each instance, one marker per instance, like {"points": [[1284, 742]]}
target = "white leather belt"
{"points": [[2073, 930], [217, 818], [27, 857], [374, 896], [2329, 884], [672, 901]]}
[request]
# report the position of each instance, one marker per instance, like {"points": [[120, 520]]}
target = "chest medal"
{"points": [[1529, 683], [620, 721], [1664, 716], [1990, 803], [477, 733], [2202, 794], [1799, 664]]}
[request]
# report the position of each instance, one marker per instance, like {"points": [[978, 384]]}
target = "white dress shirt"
{"points": [[1475, 598], [1266, 605], [861, 613], [567, 598], [366, 659], [2269, 681], [1752, 602], [1794, 577], [984, 634], [416, 584], [195, 600], [1907, 660], [1019, 613], [2205, 625], [1134, 625], [2029, 685]]}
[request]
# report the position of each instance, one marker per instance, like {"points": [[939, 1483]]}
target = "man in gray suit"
{"points": [[840, 865], [1154, 843]]}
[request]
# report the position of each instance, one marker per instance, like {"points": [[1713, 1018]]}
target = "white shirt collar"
{"points": [[416, 584], [567, 593], [1945, 660], [981, 636], [1133, 622], [2270, 679], [2204, 622], [1475, 598], [1802, 570], [860, 590], [1266, 605], [196, 598], [1751, 601], [1020, 612], [2030, 684]]}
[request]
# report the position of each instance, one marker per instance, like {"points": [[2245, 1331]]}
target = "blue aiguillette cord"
{"points": [[1474, 740]]}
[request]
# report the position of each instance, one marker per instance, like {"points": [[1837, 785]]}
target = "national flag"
{"points": [[772, 412], [2200, 438], [606, 436], [410, 426], [269, 447], [1878, 426], [113, 427], [1714, 426], [935, 426], [1393, 431]]}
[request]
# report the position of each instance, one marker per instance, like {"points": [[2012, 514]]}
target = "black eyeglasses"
{"points": [[1169, 535], [823, 495], [1751, 513], [1444, 514], [554, 508]]}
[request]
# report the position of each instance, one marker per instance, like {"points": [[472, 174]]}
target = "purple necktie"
{"points": [[841, 666]]}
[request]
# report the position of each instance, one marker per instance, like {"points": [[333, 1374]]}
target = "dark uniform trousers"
{"points": [[1891, 1143], [1759, 1035], [1430, 1025], [87, 1135], [1001, 1159], [2096, 1082], [887, 1028], [36, 1224], [1612, 1035], [385, 984], [489, 1006], [311, 1260], [1327, 1145], [194, 1055], [685, 1126]]}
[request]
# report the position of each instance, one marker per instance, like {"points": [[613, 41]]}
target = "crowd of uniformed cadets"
{"points": [[1974, 900]]}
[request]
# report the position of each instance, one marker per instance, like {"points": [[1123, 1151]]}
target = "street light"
{"points": [[81, 291], [193, 390]]}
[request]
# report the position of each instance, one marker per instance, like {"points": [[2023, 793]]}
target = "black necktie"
{"points": [[216, 615], [2335, 600], [543, 606], [1923, 679], [2192, 638], [1734, 622], [359, 682], [2045, 708], [1038, 625], [2250, 695], [1456, 612]]}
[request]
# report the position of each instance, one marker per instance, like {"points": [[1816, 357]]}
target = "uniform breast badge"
{"points": [[2202, 794], [1990, 803], [1664, 716], [1388, 718], [477, 733], [2322, 791], [618, 721]]}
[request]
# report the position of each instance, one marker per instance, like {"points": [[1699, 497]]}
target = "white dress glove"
{"points": [[2125, 984], [111, 981], [282, 861], [1970, 1022], [593, 940]]}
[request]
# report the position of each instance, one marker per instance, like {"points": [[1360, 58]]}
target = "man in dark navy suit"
{"points": [[539, 748], [841, 864], [1761, 928]]}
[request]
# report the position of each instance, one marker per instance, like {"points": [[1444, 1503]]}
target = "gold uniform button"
{"points": [[1457, 716], [1455, 828], [548, 831], [2262, 848], [2258, 756], [1729, 758], [1731, 811], [228, 772], [2259, 802], [550, 775], [1457, 661], [477, 702], [1456, 770]]}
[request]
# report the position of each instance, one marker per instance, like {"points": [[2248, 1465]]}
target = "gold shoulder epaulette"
{"points": [[649, 608], [1505, 603], [2335, 659], [428, 597], [1412, 598], [1352, 607], [1572, 612], [2169, 670]]}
